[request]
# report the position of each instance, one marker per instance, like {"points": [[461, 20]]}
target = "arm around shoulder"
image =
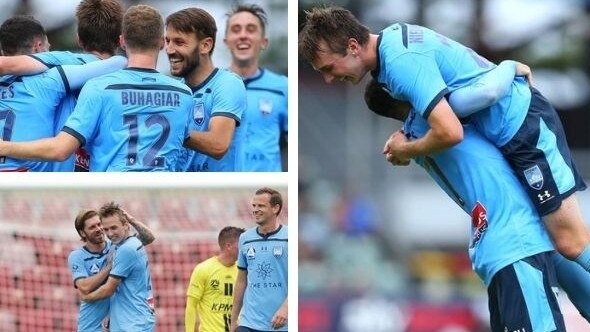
{"points": [[103, 291], [445, 131], [20, 65]]}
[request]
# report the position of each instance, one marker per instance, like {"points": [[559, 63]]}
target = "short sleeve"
{"points": [[76, 265]]}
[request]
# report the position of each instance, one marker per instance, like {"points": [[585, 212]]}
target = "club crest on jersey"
{"points": [[265, 106], [199, 113], [250, 253], [277, 251], [94, 269], [534, 177], [479, 222]]}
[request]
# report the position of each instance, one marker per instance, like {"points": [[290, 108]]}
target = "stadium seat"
{"points": [[16, 209], [55, 210], [139, 208], [173, 214]]}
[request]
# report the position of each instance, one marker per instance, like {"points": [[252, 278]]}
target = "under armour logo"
{"points": [[544, 196]]}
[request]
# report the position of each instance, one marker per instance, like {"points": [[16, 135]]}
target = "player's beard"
{"points": [[192, 63], [95, 238]]}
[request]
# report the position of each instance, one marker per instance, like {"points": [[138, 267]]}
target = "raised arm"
{"points": [[445, 131], [144, 233], [488, 89], [77, 75]]}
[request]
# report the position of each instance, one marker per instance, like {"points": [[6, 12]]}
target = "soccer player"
{"points": [[31, 36], [260, 296], [147, 113], [29, 103], [509, 247], [210, 291], [91, 264], [98, 30], [266, 117], [129, 283], [421, 66], [220, 96]]}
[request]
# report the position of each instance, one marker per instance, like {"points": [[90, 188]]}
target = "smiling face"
{"points": [[334, 66], [115, 229], [262, 210], [93, 232], [244, 37], [183, 52]]}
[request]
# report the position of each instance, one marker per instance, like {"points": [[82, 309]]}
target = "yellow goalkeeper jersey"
{"points": [[212, 286]]}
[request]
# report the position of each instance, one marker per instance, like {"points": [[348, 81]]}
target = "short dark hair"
{"points": [[333, 25], [275, 197], [80, 221], [252, 9], [99, 24], [381, 103], [194, 20], [229, 234], [18, 34]]}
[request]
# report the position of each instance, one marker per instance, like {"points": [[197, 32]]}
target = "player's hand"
{"points": [[524, 70], [280, 318], [110, 257], [233, 327], [129, 217], [396, 161], [392, 149]]}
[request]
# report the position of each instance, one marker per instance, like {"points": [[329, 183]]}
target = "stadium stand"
{"points": [[37, 235]]}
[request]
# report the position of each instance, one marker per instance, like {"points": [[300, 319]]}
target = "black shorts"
{"points": [[523, 296], [541, 158]]}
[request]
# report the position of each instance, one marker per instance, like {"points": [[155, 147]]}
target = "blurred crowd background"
{"points": [[383, 248]]}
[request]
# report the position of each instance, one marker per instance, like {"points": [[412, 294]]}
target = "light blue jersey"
{"points": [[67, 104], [27, 112], [266, 119], [28, 105], [83, 264], [132, 120], [221, 94], [132, 305], [58, 58], [505, 227], [265, 259], [421, 66]]}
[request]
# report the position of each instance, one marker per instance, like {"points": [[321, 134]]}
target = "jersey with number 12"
{"points": [[132, 120]]}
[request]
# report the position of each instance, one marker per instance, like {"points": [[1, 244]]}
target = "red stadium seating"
{"points": [[36, 288]]}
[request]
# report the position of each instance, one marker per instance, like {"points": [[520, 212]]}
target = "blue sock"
{"points": [[575, 281], [584, 258]]}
